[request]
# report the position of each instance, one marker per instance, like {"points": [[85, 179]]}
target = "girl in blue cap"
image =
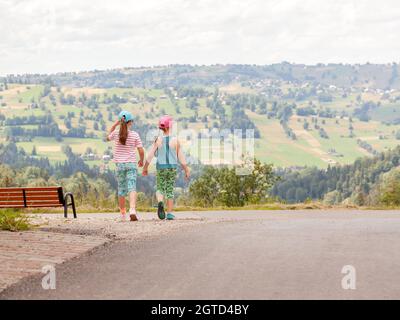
{"points": [[126, 142]]}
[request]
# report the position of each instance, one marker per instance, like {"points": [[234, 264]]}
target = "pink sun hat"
{"points": [[165, 122]]}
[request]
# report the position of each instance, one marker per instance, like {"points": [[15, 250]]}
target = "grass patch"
{"points": [[262, 207], [11, 220]]}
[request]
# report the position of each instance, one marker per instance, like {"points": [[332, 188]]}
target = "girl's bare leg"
{"points": [[159, 197], [122, 208], [121, 202], [170, 205], [132, 200]]}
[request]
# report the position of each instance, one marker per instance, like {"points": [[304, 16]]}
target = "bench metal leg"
{"points": [[66, 204]]}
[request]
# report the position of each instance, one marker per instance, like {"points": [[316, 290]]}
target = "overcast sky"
{"points": [[71, 35]]}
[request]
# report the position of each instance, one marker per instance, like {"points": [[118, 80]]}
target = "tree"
{"points": [[224, 186], [390, 189], [34, 153]]}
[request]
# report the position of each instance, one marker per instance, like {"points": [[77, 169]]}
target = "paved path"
{"points": [[243, 255], [26, 253]]}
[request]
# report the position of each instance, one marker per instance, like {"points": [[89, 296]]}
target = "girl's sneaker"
{"points": [[133, 215], [160, 210], [123, 217], [170, 216]]}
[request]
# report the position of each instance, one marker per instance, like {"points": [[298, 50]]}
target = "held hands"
{"points": [[145, 170], [187, 173]]}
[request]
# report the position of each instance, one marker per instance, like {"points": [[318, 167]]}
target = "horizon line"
{"points": [[193, 65]]}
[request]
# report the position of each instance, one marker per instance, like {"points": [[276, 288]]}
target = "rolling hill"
{"points": [[301, 115]]}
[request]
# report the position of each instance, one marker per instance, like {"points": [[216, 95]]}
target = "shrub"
{"points": [[224, 186], [14, 221]]}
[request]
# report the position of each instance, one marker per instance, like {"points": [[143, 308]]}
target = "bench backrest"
{"points": [[31, 197]]}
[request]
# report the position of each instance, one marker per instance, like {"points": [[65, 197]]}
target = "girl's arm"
{"points": [[181, 156], [150, 156], [141, 155], [182, 160], [112, 129]]}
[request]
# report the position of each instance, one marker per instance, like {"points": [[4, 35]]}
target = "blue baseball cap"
{"points": [[126, 115]]}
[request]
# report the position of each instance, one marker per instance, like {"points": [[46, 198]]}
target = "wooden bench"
{"points": [[42, 197]]}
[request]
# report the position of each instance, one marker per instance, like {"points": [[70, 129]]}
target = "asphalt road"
{"points": [[252, 255]]}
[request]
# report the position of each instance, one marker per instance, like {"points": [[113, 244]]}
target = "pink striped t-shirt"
{"points": [[125, 153]]}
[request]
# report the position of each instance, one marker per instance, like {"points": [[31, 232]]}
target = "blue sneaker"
{"points": [[170, 216]]}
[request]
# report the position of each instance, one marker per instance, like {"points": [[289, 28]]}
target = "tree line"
{"points": [[365, 182]]}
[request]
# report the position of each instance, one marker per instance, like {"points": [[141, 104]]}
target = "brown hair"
{"points": [[123, 132]]}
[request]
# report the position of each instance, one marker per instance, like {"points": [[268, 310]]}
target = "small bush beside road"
{"points": [[14, 221]]}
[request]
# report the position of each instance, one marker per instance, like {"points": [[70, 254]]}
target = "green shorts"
{"points": [[166, 182], [126, 178]]}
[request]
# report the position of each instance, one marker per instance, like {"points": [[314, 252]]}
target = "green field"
{"points": [[274, 146]]}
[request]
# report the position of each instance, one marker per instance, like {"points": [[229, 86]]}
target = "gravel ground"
{"points": [[110, 225]]}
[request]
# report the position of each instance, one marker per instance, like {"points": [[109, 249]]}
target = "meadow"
{"points": [[273, 146]]}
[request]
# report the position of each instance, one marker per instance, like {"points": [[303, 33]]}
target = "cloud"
{"points": [[52, 36]]}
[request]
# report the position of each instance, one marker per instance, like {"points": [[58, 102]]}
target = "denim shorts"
{"points": [[126, 178]]}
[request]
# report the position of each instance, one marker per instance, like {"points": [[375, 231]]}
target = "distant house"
{"points": [[89, 157]]}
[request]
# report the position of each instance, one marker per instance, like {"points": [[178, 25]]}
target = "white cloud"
{"points": [[51, 36]]}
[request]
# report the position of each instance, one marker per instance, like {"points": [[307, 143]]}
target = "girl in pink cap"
{"points": [[168, 151]]}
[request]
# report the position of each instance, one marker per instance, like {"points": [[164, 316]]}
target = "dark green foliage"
{"points": [[306, 111], [224, 186], [353, 182]]}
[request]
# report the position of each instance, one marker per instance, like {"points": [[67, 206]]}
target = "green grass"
{"points": [[386, 113], [52, 149], [11, 220], [27, 93], [273, 146]]}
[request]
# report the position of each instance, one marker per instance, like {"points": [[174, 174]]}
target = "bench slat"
{"points": [[3, 194], [44, 202], [44, 205], [29, 189], [40, 190], [12, 206], [31, 196], [36, 198], [11, 203], [16, 197]]}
